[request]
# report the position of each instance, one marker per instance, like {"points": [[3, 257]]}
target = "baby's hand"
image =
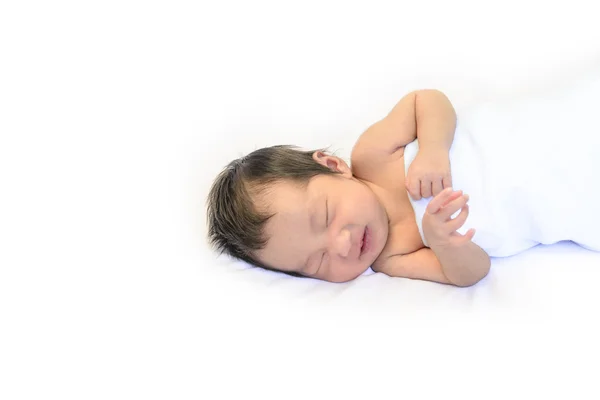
{"points": [[438, 226], [428, 174]]}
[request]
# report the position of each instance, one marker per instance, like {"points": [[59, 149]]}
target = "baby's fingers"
{"points": [[414, 188], [462, 239], [456, 223], [426, 188], [441, 199], [470, 233], [437, 187], [447, 181], [453, 206]]}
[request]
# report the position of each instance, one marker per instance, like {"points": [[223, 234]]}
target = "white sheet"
{"points": [[115, 117], [531, 168]]}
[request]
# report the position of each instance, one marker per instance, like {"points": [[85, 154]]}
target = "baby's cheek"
{"points": [[334, 273], [340, 271]]}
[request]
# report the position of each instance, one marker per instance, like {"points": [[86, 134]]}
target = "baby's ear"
{"points": [[332, 162]]}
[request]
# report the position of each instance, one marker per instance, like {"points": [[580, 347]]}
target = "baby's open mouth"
{"points": [[364, 243]]}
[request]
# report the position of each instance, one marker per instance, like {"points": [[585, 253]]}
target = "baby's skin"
{"points": [[339, 225]]}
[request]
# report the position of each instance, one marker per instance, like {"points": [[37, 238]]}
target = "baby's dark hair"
{"points": [[235, 223]]}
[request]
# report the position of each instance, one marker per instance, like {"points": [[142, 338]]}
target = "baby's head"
{"points": [[298, 212]]}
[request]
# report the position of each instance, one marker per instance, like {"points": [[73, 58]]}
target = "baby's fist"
{"points": [[428, 174]]}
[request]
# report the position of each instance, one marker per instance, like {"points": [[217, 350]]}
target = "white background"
{"points": [[116, 115]]}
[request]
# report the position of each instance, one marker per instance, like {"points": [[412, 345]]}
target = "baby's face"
{"points": [[333, 229]]}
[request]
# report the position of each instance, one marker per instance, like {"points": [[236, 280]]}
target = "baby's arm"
{"points": [[452, 258], [436, 121], [430, 171], [421, 264], [426, 115], [463, 265]]}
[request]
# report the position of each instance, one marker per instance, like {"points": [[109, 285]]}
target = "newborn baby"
{"points": [[428, 196]]}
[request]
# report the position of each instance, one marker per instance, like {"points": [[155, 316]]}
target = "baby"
{"points": [[311, 214], [308, 213]]}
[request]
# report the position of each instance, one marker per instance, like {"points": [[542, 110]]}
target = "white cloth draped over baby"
{"points": [[531, 169]]}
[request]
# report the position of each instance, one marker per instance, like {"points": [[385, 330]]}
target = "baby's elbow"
{"points": [[425, 93], [467, 280]]}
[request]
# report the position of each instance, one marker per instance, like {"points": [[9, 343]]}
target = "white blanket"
{"points": [[531, 169]]}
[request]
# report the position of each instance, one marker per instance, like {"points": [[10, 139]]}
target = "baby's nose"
{"points": [[343, 243]]}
